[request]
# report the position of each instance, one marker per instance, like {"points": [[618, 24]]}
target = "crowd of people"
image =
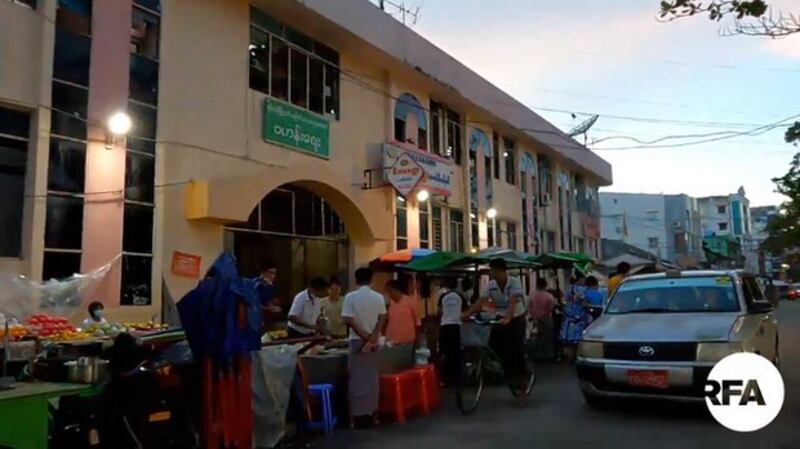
{"points": [[369, 320]]}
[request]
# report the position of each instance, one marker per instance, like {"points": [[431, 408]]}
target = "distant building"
{"points": [[729, 216], [667, 226], [760, 216]]}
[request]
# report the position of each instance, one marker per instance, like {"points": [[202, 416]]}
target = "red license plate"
{"points": [[651, 379]]}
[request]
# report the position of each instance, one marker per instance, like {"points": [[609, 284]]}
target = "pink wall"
{"points": [[105, 169]]}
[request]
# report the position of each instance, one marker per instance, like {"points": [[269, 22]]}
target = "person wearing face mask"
{"points": [[96, 315]]}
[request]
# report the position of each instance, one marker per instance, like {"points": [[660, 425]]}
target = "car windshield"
{"points": [[675, 295]]}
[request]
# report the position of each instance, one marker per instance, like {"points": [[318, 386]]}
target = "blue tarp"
{"points": [[209, 313]]}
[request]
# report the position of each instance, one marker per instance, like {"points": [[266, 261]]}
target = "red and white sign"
{"points": [[437, 170], [404, 174], [186, 265]]}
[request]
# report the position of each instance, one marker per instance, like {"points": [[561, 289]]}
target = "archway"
{"points": [[298, 231]]}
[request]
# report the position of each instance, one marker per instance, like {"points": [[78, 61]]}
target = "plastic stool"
{"points": [[429, 387], [400, 393], [324, 392]]}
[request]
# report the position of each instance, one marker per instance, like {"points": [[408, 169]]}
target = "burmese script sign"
{"points": [[404, 174], [296, 128], [436, 170]]}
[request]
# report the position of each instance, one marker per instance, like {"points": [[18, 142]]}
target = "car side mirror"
{"points": [[761, 307]]}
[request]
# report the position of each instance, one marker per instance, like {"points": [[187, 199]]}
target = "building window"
{"points": [[457, 231], [145, 31], [550, 242], [145, 27], [401, 222], [137, 280], [71, 57], [651, 215], [652, 242], [70, 103], [407, 112], [139, 197], [438, 228], [424, 224], [509, 154], [290, 66], [490, 231], [14, 132], [722, 210], [474, 231], [63, 239], [447, 132], [495, 155], [545, 180], [74, 16], [722, 226], [511, 233]]}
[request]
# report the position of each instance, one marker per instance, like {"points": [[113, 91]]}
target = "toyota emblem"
{"points": [[646, 351]]}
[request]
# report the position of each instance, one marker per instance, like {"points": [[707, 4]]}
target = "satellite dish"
{"points": [[583, 127]]}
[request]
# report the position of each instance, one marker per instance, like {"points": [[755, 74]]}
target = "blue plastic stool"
{"points": [[323, 391]]}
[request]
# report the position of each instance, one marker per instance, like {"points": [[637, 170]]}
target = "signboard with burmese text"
{"points": [[437, 171], [296, 128]]}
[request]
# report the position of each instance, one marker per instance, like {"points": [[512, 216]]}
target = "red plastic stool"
{"points": [[400, 393], [429, 387]]}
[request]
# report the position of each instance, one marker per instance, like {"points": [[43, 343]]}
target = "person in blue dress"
{"points": [[576, 317]]}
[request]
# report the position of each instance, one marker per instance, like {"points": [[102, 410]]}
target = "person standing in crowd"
{"points": [[264, 284], [540, 308], [364, 312], [306, 311], [451, 305], [332, 309], [507, 339], [576, 318], [594, 297], [403, 321], [96, 315], [467, 289], [623, 269]]}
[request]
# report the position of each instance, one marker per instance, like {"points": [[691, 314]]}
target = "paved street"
{"points": [[557, 417]]}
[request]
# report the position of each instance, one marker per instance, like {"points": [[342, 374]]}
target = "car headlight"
{"points": [[590, 349], [714, 352]]}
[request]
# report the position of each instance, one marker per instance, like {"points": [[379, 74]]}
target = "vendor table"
{"points": [[23, 412]]}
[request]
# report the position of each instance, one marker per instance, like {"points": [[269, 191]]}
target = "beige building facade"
{"points": [[298, 133]]}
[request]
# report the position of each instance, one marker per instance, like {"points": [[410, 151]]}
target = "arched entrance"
{"points": [[297, 230]]}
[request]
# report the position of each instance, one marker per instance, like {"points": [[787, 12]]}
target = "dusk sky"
{"points": [[613, 58]]}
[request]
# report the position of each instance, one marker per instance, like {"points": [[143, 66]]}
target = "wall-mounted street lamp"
{"points": [[422, 196], [491, 213], [119, 124]]}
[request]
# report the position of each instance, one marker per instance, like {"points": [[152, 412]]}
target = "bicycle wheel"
{"points": [[530, 381], [470, 388]]}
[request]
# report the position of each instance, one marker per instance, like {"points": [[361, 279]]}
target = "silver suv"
{"points": [[661, 334]]}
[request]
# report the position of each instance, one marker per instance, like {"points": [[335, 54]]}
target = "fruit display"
{"points": [[146, 326], [45, 326], [104, 330], [16, 332]]}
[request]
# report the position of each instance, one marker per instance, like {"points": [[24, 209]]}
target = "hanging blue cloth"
{"points": [[209, 313]]}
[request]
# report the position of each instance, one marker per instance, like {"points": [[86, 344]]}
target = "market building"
{"points": [[319, 134]]}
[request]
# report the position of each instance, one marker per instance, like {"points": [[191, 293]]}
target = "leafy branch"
{"points": [[750, 17]]}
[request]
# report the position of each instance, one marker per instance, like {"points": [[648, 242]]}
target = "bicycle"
{"points": [[475, 340]]}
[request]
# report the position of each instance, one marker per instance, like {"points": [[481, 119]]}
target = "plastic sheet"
{"points": [[21, 297], [273, 373]]}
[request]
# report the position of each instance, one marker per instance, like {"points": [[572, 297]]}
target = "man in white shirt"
{"points": [[364, 312], [451, 305], [507, 339], [306, 310]]}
